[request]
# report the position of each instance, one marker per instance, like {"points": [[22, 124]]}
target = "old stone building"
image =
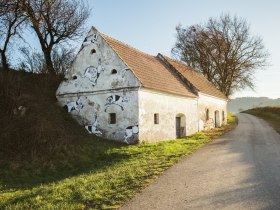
{"points": [[120, 93]]}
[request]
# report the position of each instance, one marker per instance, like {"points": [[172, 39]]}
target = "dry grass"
{"points": [[34, 130], [270, 114]]}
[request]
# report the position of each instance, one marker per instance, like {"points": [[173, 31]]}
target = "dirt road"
{"points": [[239, 171]]}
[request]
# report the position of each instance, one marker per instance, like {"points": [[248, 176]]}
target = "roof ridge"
{"points": [[123, 43], [181, 63], [118, 53], [185, 69]]}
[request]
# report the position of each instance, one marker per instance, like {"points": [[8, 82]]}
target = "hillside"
{"points": [[34, 131], [245, 103], [270, 114], [48, 161]]}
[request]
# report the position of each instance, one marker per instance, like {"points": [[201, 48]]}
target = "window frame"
{"points": [[207, 117]]}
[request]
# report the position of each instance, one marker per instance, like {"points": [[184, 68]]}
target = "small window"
{"points": [[156, 118], [112, 118], [93, 51], [207, 114], [223, 115], [114, 71]]}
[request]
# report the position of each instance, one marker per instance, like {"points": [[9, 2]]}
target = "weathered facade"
{"points": [[122, 94]]}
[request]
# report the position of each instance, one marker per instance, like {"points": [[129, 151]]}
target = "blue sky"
{"points": [[149, 25]]}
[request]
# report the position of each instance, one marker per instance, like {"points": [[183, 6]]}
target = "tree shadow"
{"points": [[99, 155]]}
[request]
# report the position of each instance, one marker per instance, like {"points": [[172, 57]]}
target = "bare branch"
{"points": [[223, 50], [55, 22], [11, 23]]}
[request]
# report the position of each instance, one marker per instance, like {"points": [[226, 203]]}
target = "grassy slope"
{"points": [[45, 135], [270, 114], [58, 166], [112, 177]]}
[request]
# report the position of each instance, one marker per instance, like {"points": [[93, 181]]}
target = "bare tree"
{"points": [[56, 21], [223, 50], [32, 61], [11, 23], [62, 58]]}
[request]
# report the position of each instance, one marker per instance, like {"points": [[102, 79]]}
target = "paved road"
{"points": [[239, 171]]}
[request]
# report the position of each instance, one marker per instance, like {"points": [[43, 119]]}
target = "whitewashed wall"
{"points": [[168, 106], [91, 91], [101, 63], [212, 104]]}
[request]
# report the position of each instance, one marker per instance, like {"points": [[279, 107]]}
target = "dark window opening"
{"points": [[207, 114], [114, 71], [223, 113], [156, 118], [112, 118], [93, 51]]}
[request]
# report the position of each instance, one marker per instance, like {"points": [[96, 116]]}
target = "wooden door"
{"points": [[217, 119]]}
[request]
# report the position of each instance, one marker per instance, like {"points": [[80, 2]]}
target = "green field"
{"points": [[113, 174], [270, 114], [48, 161]]}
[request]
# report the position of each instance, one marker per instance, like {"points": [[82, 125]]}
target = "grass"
{"points": [[48, 161], [270, 114], [112, 175]]}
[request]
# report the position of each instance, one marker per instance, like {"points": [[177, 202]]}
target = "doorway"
{"points": [[217, 119], [180, 126]]}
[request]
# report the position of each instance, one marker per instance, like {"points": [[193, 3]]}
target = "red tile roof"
{"points": [[196, 79], [153, 72], [149, 69]]}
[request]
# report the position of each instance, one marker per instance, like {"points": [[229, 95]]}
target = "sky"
{"points": [[149, 25]]}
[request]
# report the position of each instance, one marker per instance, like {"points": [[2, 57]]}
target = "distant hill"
{"points": [[245, 103]]}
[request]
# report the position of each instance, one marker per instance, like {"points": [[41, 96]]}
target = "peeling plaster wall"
{"points": [[212, 104], [99, 83], [168, 106], [92, 71]]}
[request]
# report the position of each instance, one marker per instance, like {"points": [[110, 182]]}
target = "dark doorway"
{"points": [[178, 127]]}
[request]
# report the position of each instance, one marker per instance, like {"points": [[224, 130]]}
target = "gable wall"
{"points": [[168, 106], [94, 92]]}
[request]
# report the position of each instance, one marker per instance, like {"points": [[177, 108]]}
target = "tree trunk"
{"points": [[49, 64], [4, 60]]}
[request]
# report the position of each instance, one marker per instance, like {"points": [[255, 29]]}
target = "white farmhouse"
{"points": [[120, 93]]}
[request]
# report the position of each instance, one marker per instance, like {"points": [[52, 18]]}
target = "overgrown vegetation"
{"points": [[49, 162], [270, 114], [34, 130]]}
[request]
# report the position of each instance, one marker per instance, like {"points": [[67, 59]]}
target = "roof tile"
{"points": [[149, 69], [196, 79]]}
